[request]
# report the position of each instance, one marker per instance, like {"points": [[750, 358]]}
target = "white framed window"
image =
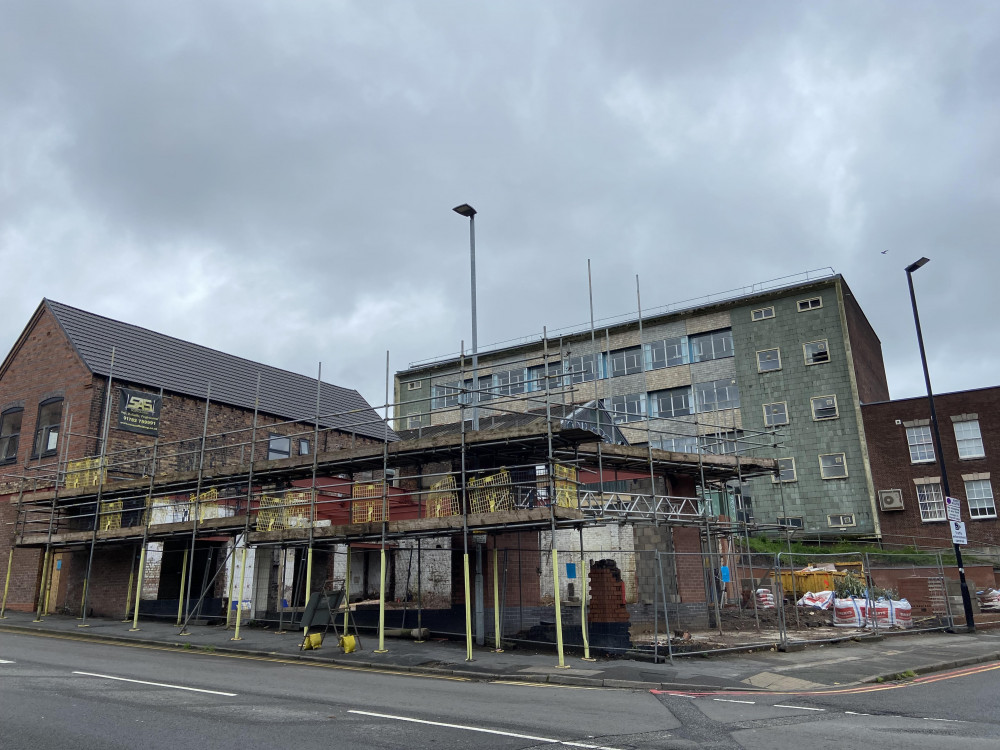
{"points": [[832, 465], [667, 353], [583, 368], [626, 361], [711, 345], [304, 447], [786, 471], [716, 395], [979, 495], [414, 385], [446, 395], [762, 313], [792, 522], [628, 408], [413, 423], [921, 444], [673, 402], [775, 414], [931, 502], [768, 360], [816, 352], [813, 303], [841, 520], [824, 407], [969, 439]]}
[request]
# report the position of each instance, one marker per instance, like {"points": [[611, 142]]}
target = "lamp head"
{"points": [[914, 266], [465, 210]]}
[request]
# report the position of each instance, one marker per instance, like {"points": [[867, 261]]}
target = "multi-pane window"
{"points": [[446, 395], [816, 352], [768, 360], [667, 353], [47, 429], [832, 466], [304, 447], [723, 443], [813, 303], [979, 493], [792, 522], [931, 502], [629, 408], [682, 444], [278, 446], [508, 382], [763, 313], [414, 385], [10, 434], [537, 380], [786, 470], [712, 345], [716, 395], [969, 439], [674, 402], [841, 519], [584, 368], [413, 423], [485, 387], [775, 414], [921, 444], [626, 361], [824, 407]]}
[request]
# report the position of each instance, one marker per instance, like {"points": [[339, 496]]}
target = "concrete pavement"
{"points": [[813, 668]]}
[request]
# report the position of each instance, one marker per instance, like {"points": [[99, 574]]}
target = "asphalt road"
{"points": [[63, 693]]}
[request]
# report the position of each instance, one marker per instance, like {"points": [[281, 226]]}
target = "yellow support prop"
{"points": [[128, 594], [559, 638], [138, 589], [468, 612], [232, 585], [41, 589], [381, 607], [6, 585], [48, 584], [239, 606], [496, 603], [309, 574], [585, 578], [180, 599], [347, 588], [83, 598]]}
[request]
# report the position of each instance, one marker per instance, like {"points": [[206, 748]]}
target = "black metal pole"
{"points": [[966, 599]]}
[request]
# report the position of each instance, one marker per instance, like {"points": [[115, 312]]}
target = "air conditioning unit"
{"points": [[890, 499]]}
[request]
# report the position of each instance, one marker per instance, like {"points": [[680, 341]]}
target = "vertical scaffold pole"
{"points": [[180, 595], [239, 606], [138, 588], [347, 587], [101, 471], [312, 493], [232, 585], [41, 589], [186, 593], [550, 470], [496, 602], [6, 585], [584, 593], [385, 515], [465, 540], [128, 592]]}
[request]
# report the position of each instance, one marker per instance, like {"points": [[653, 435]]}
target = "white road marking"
{"points": [[956, 721], [725, 700], [800, 708], [155, 684], [5, 661], [855, 713], [567, 743]]}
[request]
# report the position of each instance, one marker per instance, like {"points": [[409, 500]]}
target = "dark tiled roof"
{"points": [[155, 360]]}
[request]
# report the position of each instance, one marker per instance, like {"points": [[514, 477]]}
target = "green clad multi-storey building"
{"points": [[779, 371]]}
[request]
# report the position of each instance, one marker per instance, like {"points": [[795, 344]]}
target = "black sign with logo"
{"points": [[139, 412]]}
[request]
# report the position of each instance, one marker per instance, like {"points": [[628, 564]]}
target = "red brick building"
{"points": [[907, 473], [58, 379]]}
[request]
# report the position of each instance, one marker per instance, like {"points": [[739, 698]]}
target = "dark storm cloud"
{"points": [[279, 176]]}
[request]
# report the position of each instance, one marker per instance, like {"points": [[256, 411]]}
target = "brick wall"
{"points": [[689, 564], [866, 349], [892, 468]]}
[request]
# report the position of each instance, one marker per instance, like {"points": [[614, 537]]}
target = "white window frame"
{"points": [[784, 521], [414, 385], [413, 423], [841, 516], [836, 407], [763, 314], [843, 462], [930, 497], [794, 477], [805, 305], [777, 350], [976, 440], [918, 449], [770, 422], [826, 350], [985, 505]]}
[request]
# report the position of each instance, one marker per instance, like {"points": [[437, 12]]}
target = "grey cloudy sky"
{"points": [[275, 179]]}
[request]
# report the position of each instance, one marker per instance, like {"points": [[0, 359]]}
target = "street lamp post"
{"points": [[966, 599], [466, 210]]}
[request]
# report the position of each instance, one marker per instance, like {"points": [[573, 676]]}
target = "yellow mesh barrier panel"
{"points": [[208, 504], [269, 513], [367, 505], [290, 511], [84, 473], [111, 515], [442, 500], [567, 489], [491, 494], [297, 509]]}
